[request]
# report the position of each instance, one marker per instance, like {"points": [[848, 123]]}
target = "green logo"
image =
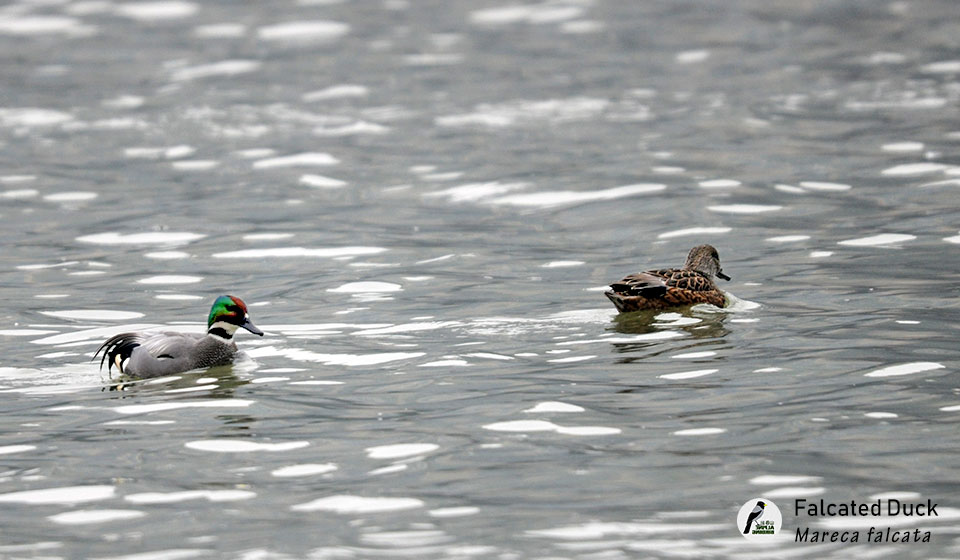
{"points": [[759, 519]]}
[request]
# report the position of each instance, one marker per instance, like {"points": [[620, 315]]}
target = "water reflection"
{"points": [[217, 382], [700, 326]]}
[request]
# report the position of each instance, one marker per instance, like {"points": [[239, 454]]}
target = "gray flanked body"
{"points": [[167, 353]]}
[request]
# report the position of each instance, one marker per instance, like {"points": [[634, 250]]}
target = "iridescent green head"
{"points": [[227, 315]]}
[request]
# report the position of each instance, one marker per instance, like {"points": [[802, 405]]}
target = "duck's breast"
{"points": [[212, 351]]}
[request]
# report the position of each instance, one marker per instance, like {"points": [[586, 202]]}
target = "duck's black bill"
{"points": [[252, 328], [722, 275]]}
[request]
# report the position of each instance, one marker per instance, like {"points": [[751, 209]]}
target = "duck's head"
{"points": [[704, 259], [228, 314]]}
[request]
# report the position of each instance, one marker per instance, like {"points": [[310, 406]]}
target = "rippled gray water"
{"points": [[420, 201]]}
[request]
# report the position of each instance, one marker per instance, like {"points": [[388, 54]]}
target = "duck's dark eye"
{"points": [[715, 255]]}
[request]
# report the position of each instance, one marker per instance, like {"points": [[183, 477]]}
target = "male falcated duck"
{"points": [[152, 354], [694, 283]]}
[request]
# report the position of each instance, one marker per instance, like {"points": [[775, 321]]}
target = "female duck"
{"points": [[144, 355], [694, 283]]}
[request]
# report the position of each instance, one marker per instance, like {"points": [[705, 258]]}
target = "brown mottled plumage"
{"points": [[672, 287]]}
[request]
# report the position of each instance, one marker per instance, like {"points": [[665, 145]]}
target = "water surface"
{"points": [[421, 202]]}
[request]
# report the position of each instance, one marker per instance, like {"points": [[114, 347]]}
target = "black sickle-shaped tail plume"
{"points": [[117, 349]]}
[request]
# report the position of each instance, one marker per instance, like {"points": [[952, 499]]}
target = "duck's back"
{"points": [[167, 353], [662, 289]]}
